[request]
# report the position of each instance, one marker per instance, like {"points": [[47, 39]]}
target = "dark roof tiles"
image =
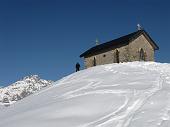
{"points": [[122, 40]]}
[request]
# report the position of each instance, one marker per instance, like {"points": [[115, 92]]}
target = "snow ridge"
{"points": [[135, 94]]}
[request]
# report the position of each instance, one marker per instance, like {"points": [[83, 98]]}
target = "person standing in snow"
{"points": [[77, 67]]}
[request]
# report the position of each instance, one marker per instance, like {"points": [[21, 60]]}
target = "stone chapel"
{"points": [[136, 46]]}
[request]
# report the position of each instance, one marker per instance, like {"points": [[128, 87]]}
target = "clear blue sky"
{"points": [[46, 37]]}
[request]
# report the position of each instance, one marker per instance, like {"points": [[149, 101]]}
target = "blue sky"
{"points": [[46, 37]]}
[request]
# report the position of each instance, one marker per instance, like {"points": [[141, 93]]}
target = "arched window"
{"points": [[94, 61], [117, 56], [142, 55]]}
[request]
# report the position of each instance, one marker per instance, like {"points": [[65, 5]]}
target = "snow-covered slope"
{"points": [[133, 94], [21, 89]]}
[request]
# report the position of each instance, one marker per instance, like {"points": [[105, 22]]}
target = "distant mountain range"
{"points": [[21, 89]]}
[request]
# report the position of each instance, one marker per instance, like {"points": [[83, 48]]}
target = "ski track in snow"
{"points": [[125, 113], [134, 98]]}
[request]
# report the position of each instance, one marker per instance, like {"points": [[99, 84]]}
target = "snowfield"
{"points": [[135, 94]]}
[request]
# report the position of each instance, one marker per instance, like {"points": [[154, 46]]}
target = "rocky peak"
{"points": [[22, 88]]}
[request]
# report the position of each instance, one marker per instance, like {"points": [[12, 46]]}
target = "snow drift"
{"points": [[133, 94]]}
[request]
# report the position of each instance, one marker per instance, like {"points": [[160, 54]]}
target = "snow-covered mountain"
{"points": [[133, 94], [21, 89]]}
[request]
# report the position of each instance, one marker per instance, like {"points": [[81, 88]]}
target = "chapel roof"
{"points": [[119, 41]]}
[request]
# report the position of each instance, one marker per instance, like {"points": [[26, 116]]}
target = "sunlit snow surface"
{"points": [[133, 94]]}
